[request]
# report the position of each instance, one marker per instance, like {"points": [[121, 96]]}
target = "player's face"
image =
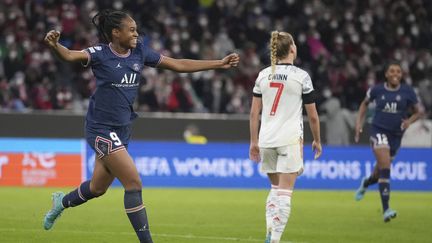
{"points": [[394, 75], [128, 35]]}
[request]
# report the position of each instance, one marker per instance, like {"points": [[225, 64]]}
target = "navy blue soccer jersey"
{"points": [[117, 82], [391, 106]]}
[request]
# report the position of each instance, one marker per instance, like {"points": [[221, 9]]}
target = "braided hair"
{"points": [[107, 20], [280, 45]]}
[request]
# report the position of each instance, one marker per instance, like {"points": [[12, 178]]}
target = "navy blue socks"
{"points": [[133, 204], [384, 187], [78, 196], [137, 215], [370, 181]]}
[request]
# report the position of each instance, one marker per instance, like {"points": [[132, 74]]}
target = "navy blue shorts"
{"points": [[381, 138], [105, 139]]}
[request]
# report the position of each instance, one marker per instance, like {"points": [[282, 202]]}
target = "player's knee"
{"points": [[97, 192], [133, 184], [97, 189]]}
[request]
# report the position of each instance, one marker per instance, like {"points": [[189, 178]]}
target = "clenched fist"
{"points": [[52, 38]]}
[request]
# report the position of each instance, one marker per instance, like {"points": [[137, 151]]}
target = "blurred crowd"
{"points": [[343, 44]]}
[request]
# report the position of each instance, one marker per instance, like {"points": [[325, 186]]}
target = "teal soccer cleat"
{"points": [[359, 194], [56, 210], [389, 214], [268, 236]]}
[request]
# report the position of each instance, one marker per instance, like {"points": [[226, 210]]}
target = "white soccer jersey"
{"points": [[281, 117]]}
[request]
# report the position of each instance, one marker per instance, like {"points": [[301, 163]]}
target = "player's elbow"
{"points": [[65, 58], [363, 105], [419, 111], [70, 57], [314, 119], [312, 113], [254, 114]]}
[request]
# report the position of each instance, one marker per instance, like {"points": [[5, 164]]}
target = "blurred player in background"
{"points": [[279, 94], [393, 102], [117, 65]]}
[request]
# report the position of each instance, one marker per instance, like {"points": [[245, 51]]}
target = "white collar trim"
{"points": [[118, 54], [391, 89]]}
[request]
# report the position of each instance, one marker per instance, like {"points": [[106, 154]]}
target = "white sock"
{"points": [[283, 200], [271, 207]]}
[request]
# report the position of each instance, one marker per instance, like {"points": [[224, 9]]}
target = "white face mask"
{"points": [[10, 39], [13, 54], [27, 45]]}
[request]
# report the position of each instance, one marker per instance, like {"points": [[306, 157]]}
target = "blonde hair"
{"points": [[280, 45]]}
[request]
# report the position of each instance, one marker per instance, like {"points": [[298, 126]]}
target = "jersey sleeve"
{"points": [[257, 89], [151, 57], [371, 94], [94, 55], [307, 85], [308, 92], [412, 97]]}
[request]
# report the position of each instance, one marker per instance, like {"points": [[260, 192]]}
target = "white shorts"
{"points": [[285, 159]]}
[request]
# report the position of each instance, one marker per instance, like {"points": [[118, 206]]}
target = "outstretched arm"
{"points": [[414, 117], [52, 38], [189, 65], [253, 125], [360, 119], [314, 124]]}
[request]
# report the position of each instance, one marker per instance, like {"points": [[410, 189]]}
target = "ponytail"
{"points": [[280, 45], [107, 20], [273, 50]]}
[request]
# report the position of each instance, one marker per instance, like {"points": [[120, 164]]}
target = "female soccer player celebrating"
{"points": [[117, 65], [279, 94], [393, 101]]}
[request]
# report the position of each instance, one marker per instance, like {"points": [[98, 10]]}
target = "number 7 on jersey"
{"points": [[280, 87]]}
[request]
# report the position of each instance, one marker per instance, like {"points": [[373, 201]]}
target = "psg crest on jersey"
{"points": [[136, 67]]}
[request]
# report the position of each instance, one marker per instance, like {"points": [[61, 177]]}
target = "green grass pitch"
{"points": [[216, 216]]}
